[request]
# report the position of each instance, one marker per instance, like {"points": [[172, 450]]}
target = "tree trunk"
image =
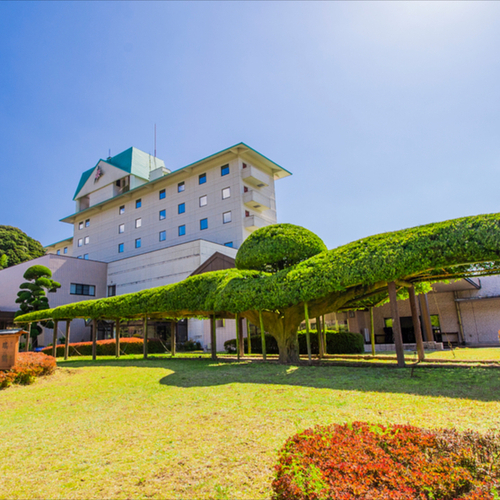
{"points": [[289, 349]]}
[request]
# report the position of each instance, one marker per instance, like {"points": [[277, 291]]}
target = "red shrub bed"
{"points": [[29, 366], [128, 345], [373, 462]]}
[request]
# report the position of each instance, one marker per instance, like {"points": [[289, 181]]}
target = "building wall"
{"points": [[161, 267], [64, 247], [104, 223], [65, 270]]}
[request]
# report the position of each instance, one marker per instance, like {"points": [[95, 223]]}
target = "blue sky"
{"points": [[386, 113]]}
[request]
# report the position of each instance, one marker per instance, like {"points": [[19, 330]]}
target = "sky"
{"points": [[386, 113]]}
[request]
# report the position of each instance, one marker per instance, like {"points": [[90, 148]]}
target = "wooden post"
{"points": [[263, 337], [325, 345], [308, 337], [461, 338], [145, 337], [54, 340], [426, 318], [396, 326], [213, 337], [319, 331], [94, 339], [416, 323], [242, 342], [173, 338], [117, 337], [237, 323], [372, 331], [66, 341], [28, 335], [249, 340]]}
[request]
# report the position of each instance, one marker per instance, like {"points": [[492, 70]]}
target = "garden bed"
{"points": [[30, 365]]}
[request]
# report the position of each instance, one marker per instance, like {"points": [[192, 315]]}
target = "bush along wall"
{"points": [[128, 345], [336, 342]]}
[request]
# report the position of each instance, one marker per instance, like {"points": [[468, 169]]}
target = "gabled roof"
{"points": [[217, 262], [132, 160]]}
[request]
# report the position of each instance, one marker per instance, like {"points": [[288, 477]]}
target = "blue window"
{"points": [[181, 208], [163, 214], [229, 244], [86, 256], [180, 187], [162, 194], [182, 230], [138, 203], [202, 178], [138, 243], [120, 247], [163, 235], [58, 252], [65, 249], [224, 170], [203, 224]]}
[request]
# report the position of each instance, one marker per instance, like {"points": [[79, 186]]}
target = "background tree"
{"points": [[32, 296], [18, 246], [4, 260]]}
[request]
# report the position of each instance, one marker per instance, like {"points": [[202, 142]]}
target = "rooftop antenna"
{"points": [[109, 153], [155, 147]]}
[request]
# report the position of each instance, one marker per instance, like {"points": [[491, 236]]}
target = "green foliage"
{"points": [[18, 246], [276, 247], [336, 342], [31, 297], [4, 261], [345, 277]]}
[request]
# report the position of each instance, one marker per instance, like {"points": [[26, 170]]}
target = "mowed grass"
{"points": [[191, 428]]}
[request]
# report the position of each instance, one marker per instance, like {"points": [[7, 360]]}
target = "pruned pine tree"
{"points": [[32, 296]]}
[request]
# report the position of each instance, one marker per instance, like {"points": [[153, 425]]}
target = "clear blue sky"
{"points": [[386, 113]]}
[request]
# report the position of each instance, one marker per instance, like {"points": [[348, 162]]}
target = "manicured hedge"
{"points": [[398, 462], [350, 276], [337, 343], [29, 366], [128, 345]]}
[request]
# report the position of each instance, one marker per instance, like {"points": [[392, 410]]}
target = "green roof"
{"points": [[132, 160]]}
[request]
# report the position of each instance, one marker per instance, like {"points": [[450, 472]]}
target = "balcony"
{"points": [[254, 222], [255, 177], [256, 201]]}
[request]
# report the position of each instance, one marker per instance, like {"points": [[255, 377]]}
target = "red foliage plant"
{"points": [[128, 345], [29, 366], [398, 462]]}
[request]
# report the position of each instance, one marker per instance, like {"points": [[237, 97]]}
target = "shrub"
{"points": [[362, 460], [336, 342], [29, 366], [128, 345]]}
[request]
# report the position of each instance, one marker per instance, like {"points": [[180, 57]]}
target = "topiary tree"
{"points": [[276, 247], [32, 296], [18, 246], [272, 249], [4, 261], [353, 276]]}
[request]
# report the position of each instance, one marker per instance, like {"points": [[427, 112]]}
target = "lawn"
{"points": [[192, 428]]}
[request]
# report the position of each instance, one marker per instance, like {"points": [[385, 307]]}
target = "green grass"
{"points": [[191, 428]]}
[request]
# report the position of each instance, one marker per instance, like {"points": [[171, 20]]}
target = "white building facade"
{"points": [[139, 225]]}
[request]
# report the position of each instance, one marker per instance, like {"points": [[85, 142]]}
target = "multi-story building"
{"points": [[151, 226]]}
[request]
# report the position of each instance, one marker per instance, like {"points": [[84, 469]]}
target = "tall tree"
{"points": [[18, 246], [32, 296]]}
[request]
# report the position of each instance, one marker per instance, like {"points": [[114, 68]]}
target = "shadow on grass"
{"points": [[472, 383]]}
